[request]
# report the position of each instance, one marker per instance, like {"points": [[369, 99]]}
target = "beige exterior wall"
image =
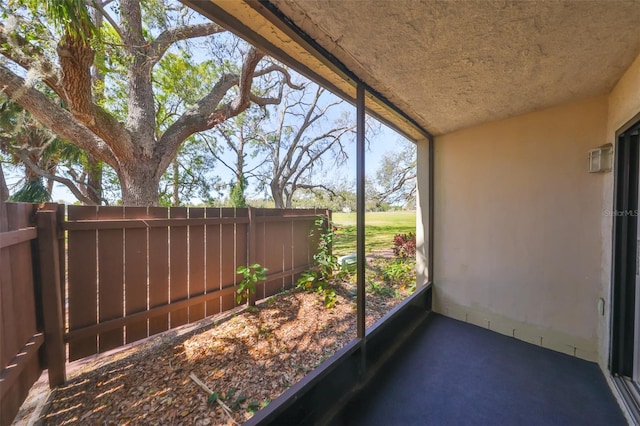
{"points": [[519, 226], [624, 104]]}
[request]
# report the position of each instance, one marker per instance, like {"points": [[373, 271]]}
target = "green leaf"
{"points": [[253, 407], [213, 398]]}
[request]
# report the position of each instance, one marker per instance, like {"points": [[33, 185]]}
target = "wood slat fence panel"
{"points": [[213, 259], [20, 331], [110, 278], [241, 245], [158, 271], [135, 272], [178, 267], [197, 252], [83, 282], [227, 260]]}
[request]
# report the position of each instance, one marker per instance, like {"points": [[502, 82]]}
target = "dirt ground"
{"points": [[247, 359]]}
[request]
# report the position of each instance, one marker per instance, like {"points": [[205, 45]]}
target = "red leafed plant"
{"points": [[404, 245]]}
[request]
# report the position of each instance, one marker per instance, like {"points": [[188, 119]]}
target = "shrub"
{"points": [[250, 276], [404, 245], [318, 278]]}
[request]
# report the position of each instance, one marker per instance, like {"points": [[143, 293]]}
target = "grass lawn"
{"points": [[380, 228]]}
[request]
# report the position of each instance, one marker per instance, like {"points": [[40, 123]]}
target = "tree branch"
{"points": [[217, 157], [141, 117], [54, 117], [160, 45], [326, 188], [24, 54], [24, 157], [76, 59], [267, 101], [100, 7], [405, 177], [285, 72], [207, 113], [4, 190]]}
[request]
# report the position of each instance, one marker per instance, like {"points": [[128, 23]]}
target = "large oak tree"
{"points": [[57, 46], [310, 129]]}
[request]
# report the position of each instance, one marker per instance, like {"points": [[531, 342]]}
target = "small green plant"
{"points": [[318, 278], [250, 276], [232, 401], [325, 262], [253, 407], [213, 397], [329, 295], [380, 288], [264, 332], [398, 272], [307, 280], [236, 403]]}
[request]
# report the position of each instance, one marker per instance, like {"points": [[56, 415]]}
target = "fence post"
{"points": [[251, 239], [51, 296]]}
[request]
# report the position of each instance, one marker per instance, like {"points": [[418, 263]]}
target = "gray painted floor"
{"points": [[454, 373]]}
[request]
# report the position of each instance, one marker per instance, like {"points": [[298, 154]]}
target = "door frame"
{"points": [[624, 316]]}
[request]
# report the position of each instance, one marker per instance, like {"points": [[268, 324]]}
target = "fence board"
{"points": [[18, 236], [196, 263], [151, 313], [260, 254], [178, 267], [22, 266], [49, 296], [9, 339], [82, 282], [158, 270], [135, 277], [212, 253], [273, 255], [241, 243], [19, 336], [110, 278], [24, 298], [61, 213], [228, 261], [301, 232]]}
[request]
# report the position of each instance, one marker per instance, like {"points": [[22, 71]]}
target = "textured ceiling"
{"points": [[454, 64]]}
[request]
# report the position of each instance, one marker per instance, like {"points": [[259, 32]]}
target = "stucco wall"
{"points": [[518, 226], [624, 104]]}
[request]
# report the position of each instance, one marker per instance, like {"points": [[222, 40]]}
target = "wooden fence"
{"points": [[97, 278], [20, 328], [135, 272]]}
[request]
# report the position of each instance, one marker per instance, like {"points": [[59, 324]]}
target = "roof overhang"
{"points": [[445, 65]]}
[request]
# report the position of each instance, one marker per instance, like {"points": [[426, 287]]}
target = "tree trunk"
{"points": [[139, 183], [94, 180], [4, 190], [176, 182], [276, 193]]}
